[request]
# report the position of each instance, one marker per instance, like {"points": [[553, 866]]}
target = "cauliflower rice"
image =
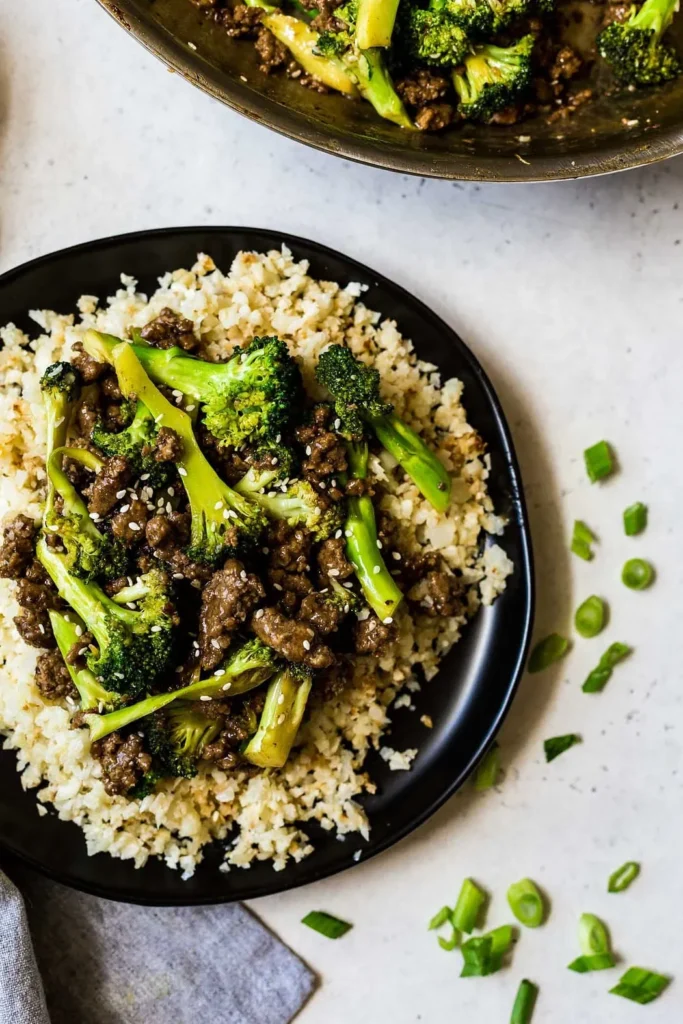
{"points": [[264, 816]]}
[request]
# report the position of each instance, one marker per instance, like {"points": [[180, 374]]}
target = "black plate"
{"points": [[467, 701]]}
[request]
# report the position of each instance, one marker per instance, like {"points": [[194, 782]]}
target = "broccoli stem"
{"points": [[230, 683], [93, 695], [60, 483], [282, 715], [420, 463], [378, 585], [301, 40], [173, 366], [370, 73], [211, 500], [375, 22], [655, 16]]}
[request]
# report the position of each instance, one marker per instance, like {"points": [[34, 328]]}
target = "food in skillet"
{"points": [[238, 519], [428, 64]]}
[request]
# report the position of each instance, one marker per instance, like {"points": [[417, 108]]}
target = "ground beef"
{"points": [[87, 413], [290, 549], [33, 622], [168, 329], [422, 87], [323, 614], [566, 64], [52, 677], [90, 369], [325, 452], [109, 386], [433, 117], [332, 561], [230, 464], [272, 52], [237, 728], [114, 586], [79, 650], [290, 587], [112, 478], [508, 115], [370, 636], [18, 545], [128, 525], [227, 600], [241, 21], [438, 593], [124, 762], [295, 641], [295, 71], [168, 446]]}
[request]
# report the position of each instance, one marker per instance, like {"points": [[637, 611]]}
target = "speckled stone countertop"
{"points": [[571, 296]]}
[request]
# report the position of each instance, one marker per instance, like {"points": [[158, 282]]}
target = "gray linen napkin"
{"points": [[110, 963]]}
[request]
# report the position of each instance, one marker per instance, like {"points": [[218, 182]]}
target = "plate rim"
{"points": [[525, 566], [633, 152]]}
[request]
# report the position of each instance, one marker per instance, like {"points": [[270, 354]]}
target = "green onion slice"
{"points": [[449, 944], [484, 954], [440, 918], [640, 985], [557, 745], [548, 651], [596, 679], [595, 962], [488, 770], [623, 876], [526, 903], [469, 905], [637, 574], [525, 1001], [593, 935], [582, 538], [599, 461], [635, 519], [590, 617], [329, 926]]}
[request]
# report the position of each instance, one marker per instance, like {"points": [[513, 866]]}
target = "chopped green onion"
{"points": [[635, 519], [468, 907], [582, 538], [488, 769], [595, 962], [526, 903], [640, 986], [329, 926], [525, 1001], [623, 876], [637, 574], [599, 461], [590, 617], [547, 651], [596, 679], [557, 745], [440, 918], [449, 944], [593, 935], [484, 954]]}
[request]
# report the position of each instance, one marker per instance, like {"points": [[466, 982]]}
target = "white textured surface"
{"points": [[571, 296]]}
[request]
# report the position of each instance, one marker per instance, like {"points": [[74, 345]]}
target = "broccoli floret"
{"points": [[90, 554], [60, 386], [176, 738], [362, 549], [222, 521], [246, 668], [281, 717], [494, 77], [634, 49], [136, 443], [134, 647], [251, 396], [434, 37], [67, 632], [334, 44], [294, 501], [355, 389], [480, 19]]}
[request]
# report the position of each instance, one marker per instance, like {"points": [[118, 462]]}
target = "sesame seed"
{"points": [[95, 516], [338, 534], [79, 630], [226, 686], [170, 491], [379, 544], [231, 514], [277, 586], [124, 508], [278, 438], [159, 418], [273, 462], [182, 470], [169, 507], [145, 476], [134, 527], [347, 533], [377, 569], [190, 408], [121, 494], [155, 629], [219, 672], [395, 555], [281, 699], [307, 645], [281, 720], [259, 614], [308, 449], [226, 513], [388, 620], [176, 393], [318, 511], [83, 651], [196, 584], [41, 627], [130, 580], [53, 529], [177, 576], [266, 551], [214, 643], [218, 505], [204, 696], [334, 572], [337, 424]]}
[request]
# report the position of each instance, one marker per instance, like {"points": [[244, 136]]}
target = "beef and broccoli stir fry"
{"points": [[427, 64], [211, 551]]}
